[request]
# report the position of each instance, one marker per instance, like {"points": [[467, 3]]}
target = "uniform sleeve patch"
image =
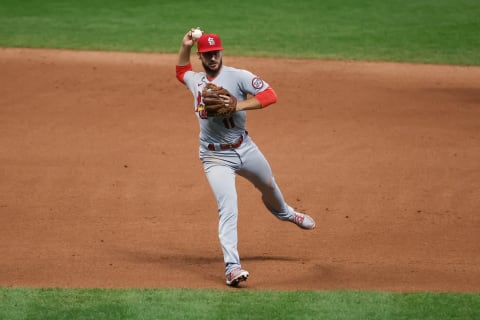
{"points": [[257, 83]]}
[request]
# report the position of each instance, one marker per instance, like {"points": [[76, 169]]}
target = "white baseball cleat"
{"points": [[237, 276], [302, 220]]}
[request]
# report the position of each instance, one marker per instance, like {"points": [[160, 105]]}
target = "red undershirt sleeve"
{"points": [[180, 71], [267, 97]]}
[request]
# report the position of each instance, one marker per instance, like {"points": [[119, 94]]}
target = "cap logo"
{"points": [[211, 41]]}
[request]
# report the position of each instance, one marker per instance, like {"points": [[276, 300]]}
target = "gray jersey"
{"points": [[239, 83]]}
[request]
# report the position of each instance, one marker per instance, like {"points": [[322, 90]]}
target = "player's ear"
{"points": [[199, 55]]}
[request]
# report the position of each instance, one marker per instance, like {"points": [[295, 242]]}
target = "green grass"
{"points": [[427, 31], [52, 304]]}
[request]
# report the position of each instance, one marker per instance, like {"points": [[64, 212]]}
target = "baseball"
{"points": [[196, 34]]}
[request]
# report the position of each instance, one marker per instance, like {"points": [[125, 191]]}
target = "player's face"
{"points": [[211, 61]]}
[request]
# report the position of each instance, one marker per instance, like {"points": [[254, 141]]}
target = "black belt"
{"points": [[228, 146]]}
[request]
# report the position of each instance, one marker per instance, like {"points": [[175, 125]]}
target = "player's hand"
{"points": [[188, 40]]}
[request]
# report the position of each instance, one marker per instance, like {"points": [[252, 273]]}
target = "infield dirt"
{"points": [[101, 186]]}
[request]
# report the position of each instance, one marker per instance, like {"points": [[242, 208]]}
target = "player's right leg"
{"points": [[222, 182]]}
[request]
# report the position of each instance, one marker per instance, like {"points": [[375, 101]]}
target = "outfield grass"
{"points": [[53, 304], [428, 31]]}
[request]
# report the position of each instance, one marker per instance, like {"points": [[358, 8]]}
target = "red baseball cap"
{"points": [[209, 42]]}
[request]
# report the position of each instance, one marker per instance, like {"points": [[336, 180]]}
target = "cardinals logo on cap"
{"points": [[209, 42]]}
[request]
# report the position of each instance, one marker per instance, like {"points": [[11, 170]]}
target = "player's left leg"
{"points": [[257, 170]]}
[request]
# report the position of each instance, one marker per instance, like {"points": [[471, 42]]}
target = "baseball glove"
{"points": [[218, 101]]}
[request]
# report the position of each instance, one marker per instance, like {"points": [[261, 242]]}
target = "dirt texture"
{"points": [[101, 185]]}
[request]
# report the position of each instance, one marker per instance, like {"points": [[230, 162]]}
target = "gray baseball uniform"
{"points": [[226, 150]]}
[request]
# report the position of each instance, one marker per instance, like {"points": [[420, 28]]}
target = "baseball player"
{"points": [[226, 149]]}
